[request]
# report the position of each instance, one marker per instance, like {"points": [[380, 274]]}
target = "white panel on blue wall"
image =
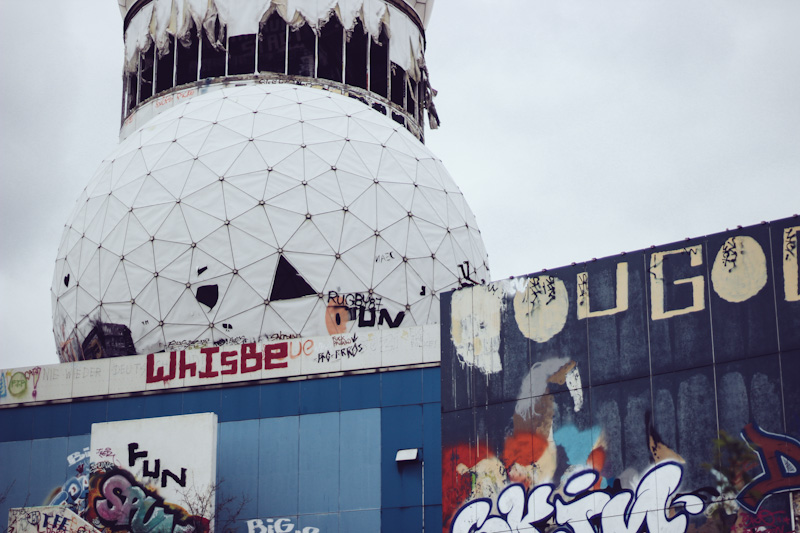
{"points": [[360, 460], [278, 487], [319, 463], [237, 457]]}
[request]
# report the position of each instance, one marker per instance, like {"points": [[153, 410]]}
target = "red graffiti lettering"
{"points": [[229, 361], [153, 375], [273, 352], [184, 366], [766, 521], [208, 372], [780, 462], [251, 359]]}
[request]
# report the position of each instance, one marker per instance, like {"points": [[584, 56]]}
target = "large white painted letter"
{"points": [[740, 269], [790, 268], [584, 310], [541, 308], [476, 314], [256, 526], [657, 283]]}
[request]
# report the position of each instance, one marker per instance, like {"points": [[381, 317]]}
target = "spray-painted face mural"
{"points": [[652, 391]]}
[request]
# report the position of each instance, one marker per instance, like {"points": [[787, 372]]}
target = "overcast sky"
{"points": [[576, 129]]}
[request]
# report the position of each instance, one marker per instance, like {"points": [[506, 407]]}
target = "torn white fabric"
{"points": [[195, 11], [315, 12], [162, 20], [405, 42], [162, 26], [137, 36], [348, 11], [375, 13], [241, 17]]}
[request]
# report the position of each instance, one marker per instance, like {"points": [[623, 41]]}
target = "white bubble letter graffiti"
{"points": [[475, 327]]}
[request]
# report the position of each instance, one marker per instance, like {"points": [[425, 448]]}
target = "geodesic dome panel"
{"points": [[255, 213]]}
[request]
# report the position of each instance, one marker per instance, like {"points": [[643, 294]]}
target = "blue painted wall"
{"points": [[319, 452]]}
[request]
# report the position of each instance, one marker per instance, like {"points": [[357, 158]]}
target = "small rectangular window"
{"points": [[379, 65], [212, 59], [187, 55], [242, 54], [331, 48], [356, 64], [411, 96], [272, 45], [398, 85], [146, 64], [165, 68], [302, 46], [133, 91]]}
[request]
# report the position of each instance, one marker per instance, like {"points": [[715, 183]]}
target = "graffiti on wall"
{"points": [[277, 525], [642, 392], [779, 458], [48, 519], [154, 472], [144, 479], [364, 309], [280, 356], [653, 503], [74, 492], [19, 383], [344, 347], [118, 502]]}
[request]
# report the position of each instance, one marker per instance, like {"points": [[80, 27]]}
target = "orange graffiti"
{"points": [[597, 458], [336, 317], [523, 449]]}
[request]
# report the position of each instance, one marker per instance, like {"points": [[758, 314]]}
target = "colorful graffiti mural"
{"points": [[118, 502], [74, 492], [47, 519], [142, 483], [19, 383], [651, 391]]}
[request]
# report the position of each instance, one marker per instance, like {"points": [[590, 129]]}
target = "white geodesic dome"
{"points": [[257, 212]]}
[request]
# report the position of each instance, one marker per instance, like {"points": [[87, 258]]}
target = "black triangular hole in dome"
{"points": [[289, 284], [208, 295]]}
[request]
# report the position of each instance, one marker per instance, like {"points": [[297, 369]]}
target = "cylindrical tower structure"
{"points": [[271, 181]]}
